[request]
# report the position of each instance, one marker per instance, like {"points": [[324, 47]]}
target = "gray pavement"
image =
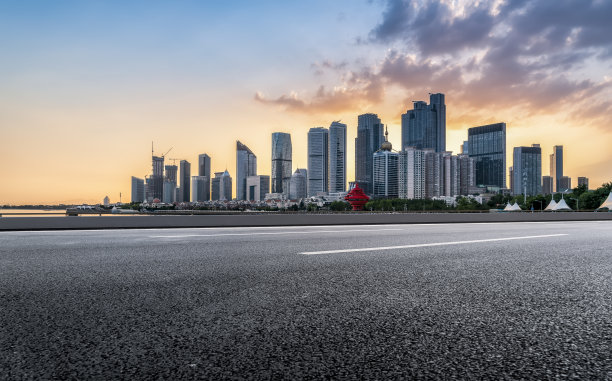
{"points": [[520, 301]]}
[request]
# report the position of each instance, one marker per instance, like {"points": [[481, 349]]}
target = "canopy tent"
{"points": [[512, 208], [607, 203], [516, 207], [552, 205], [561, 205]]}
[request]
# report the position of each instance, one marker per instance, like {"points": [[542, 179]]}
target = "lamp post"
{"points": [[540, 204], [577, 206]]}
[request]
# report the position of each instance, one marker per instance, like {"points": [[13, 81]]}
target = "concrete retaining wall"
{"points": [[134, 222]]}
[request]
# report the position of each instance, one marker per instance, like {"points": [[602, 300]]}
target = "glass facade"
{"points": [[281, 162], [318, 160], [424, 127], [337, 157], [527, 171], [369, 138], [246, 165], [487, 146]]}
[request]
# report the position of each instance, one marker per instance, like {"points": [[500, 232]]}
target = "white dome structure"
{"points": [[607, 203], [552, 205]]}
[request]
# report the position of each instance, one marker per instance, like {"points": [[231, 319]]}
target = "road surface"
{"points": [[463, 301]]}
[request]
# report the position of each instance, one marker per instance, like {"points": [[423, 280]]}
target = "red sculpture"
{"points": [[357, 198]]}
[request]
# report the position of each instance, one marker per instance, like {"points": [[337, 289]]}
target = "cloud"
{"points": [[362, 91], [529, 55]]}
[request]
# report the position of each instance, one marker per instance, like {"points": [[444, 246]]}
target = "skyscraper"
{"points": [[425, 125], [451, 174], [467, 174], [583, 181], [204, 165], [185, 167], [246, 165], [434, 173], [556, 166], [318, 160], [298, 187], [547, 185], [138, 189], [222, 186], [411, 175], [156, 180], [199, 189], [337, 157], [385, 163], [487, 146], [281, 162], [369, 139], [171, 173], [527, 170]]}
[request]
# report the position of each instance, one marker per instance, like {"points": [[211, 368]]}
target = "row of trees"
{"points": [[579, 198]]}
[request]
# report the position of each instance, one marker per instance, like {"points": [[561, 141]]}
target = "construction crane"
{"points": [[164, 155], [173, 160]]}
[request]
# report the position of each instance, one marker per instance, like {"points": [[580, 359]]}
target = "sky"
{"points": [[86, 86]]}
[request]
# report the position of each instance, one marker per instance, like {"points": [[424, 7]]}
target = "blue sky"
{"points": [[196, 76]]}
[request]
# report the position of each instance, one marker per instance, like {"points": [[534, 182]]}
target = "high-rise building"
{"points": [[222, 186], [386, 171], [169, 192], [246, 165], [434, 173], [369, 139], [185, 167], [565, 184], [511, 177], [155, 189], [556, 166], [465, 150], [171, 173], [527, 170], [204, 165], [583, 181], [281, 162], [425, 125], [467, 174], [318, 160], [200, 189], [487, 146], [170, 184], [451, 174], [257, 187], [138, 190], [547, 185], [298, 185], [337, 157], [411, 175]]}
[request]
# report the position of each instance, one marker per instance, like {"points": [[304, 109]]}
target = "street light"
{"points": [[577, 206], [540, 204]]}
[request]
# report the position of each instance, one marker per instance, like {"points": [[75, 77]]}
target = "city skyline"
{"points": [[81, 103]]}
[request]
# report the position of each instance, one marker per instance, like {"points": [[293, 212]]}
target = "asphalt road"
{"points": [[447, 301]]}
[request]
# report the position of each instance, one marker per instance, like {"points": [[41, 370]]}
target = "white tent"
{"points": [[516, 207], [607, 203], [552, 205], [512, 208], [561, 205]]}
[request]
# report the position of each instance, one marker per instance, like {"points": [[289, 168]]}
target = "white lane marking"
{"points": [[427, 244], [272, 233]]}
